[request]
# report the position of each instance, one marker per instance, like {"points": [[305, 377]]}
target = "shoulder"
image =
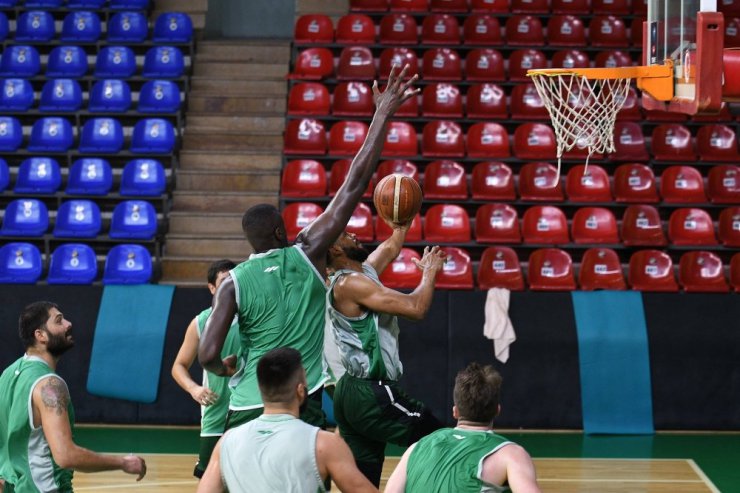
{"points": [[509, 452], [52, 392]]}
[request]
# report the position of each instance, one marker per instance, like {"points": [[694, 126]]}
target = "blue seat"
{"points": [[4, 26], [11, 133], [4, 175], [89, 176], [115, 62], [86, 4], [8, 3], [159, 96], [38, 175], [17, 95], [163, 62], [173, 27], [49, 4], [143, 178], [51, 134], [60, 95], [67, 62], [134, 219], [129, 4], [34, 25], [20, 263], [128, 27], [20, 61], [25, 217], [127, 264], [101, 135], [153, 136], [72, 263], [77, 219], [109, 96], [81, 27]]}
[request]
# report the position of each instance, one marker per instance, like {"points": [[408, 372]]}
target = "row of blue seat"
{"points": [[74, 263], [77, 4]]}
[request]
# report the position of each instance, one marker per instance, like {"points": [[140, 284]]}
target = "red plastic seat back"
{"points": [[398, 29], [701, 272], [588, 184], [571, 6], [539, 181], [441, 29], [520, 61], [612, 59], [355, 29], [641, 226], [729, 227], [313, 28], [356, 63], [346, 138], [305, 136], [629, 142], [383, 231], [551, 269], [353, 99], [717, 143], [566, 30], [484, 64], [442, 64], [368, 5], [545, 224], [673, 142], [298, 215], [735, 272], [448, 6], [530, 6], [631, 106], [682, 184], [724, 184], [497, 223], [524, 30], [482, 29], [490, 6], [492, 180], [499, 268], [402, 273], [594, 225], [443, 138], [445, 180], [635, 182], [309, 98], [457, 271], [303, 178], [601, 269], [651, 270], [691, 226], [409, 5], [441, 100], [399, 57], [619, 7], [485, 100], [400, 166], [313, 64], [339, 171], [570, 59], [446, 223], [526, 103], [732, 33], [636, 31], [534, 141], [488, 140], [607, 31], [361, 223], [400, 140]]}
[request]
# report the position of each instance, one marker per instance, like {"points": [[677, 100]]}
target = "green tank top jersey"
{"points": [[368, 344], [281, 303], [451, 459], [213, 417], [25, 456]]}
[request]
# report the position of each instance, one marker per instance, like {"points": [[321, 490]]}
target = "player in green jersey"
{"points": [[213, 393], [469, 457], [279, 292], [37, 451]]}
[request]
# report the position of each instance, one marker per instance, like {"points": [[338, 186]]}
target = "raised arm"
{"points": [[184, 360], [335, 460], [217, 327], [316, 238], [397, 481], [390, 248]]}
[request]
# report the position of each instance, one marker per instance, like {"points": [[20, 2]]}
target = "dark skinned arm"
{"points": [[213, 337]]}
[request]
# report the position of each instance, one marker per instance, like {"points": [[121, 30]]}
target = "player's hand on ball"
{"points": [[396, 92], [432, 260], [133, 464], [230, 364], [204, 396]]}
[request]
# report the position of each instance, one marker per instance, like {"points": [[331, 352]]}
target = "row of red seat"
{"points": [[622, 7]]}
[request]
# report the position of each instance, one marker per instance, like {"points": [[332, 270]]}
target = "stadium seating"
{"points": [[607, 31], [497, 223], [398, 56], [383, 231], [441, 29], [717, 143], [159, 96], [484, 65], [313, 64], [133, 219], [520, 61], [400, 166], [691, 226], [635, 182], [153, 136], [4, 175], [485, 100], [534, 141], [346, 137], [482, 29], [729, 227], [651, 270], [673, 142], [85, 4], [298, 215], [338, 176], [350, 99], [16, 95], [441, 100], [601, 269], [398, 29], [409, 5], [490, 6], [570, 59], [457, 271], [163, 62], [25, 217], [303, 178], [127, 264], [77, 219], [20, 61], [368, 5], [38, 175], [539, 182], [109, 96], [594, 225], [682, 184], [445, 180], [11, 133], [588, 184], [526, 103], [701, 272], [492, 180], [101, 135], [356, 63], [458, 6], [550, 269], [524, 30], [127, 27], [172, 27], [34, 26], [629, 142], [735, 272], [60, 95], [51, 134], [487, 140], [545, 225], [441, 64], [143, 178], [4, 26], [566, 30], [72, 263], [620, 7], [641, 226], [442, 138], [499, 268], [724, 184], [69, 62], [80, 27], [446, 223], [402, 273], [89, 176], [20, 263], [361, 223], [579, 7], [114, 62]]}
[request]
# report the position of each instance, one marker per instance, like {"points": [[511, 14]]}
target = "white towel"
{"points": [[498, 325]]}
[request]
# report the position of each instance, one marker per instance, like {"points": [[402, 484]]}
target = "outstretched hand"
{"points": [[396, 92], [433, 259], [133, 464]]}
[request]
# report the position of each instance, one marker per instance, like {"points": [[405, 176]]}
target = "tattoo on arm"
{"points": [[55, 395]]}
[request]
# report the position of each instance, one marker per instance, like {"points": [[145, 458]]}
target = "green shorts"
{"points": [[313, 414], [207, 444]]}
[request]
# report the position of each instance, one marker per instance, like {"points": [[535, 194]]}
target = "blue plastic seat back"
{"points": [[129, 4], [8, 3], [72, 263], [17, 95], [25, 217], [115, 62], [51, 134], [135, 219], [4, 26], [89, 176], [20, 263], [110, 96], [11, 133], [20, 61], [4, 175], [60, 95], [34, 25], [101, 135], [49, 4], [77, 219], [127, 264], [143, 178], [81, 26], [153, 136], [67, 61], [173, 27], [38, 175], [128, 27], [164, 62], [159, 96], [86, 4]]}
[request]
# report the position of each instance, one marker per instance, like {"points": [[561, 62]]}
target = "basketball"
{"points": [[397, 198]]}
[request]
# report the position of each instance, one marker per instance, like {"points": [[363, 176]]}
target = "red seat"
{"points": [[729, 227], [499, 268], [353, 99], [631, 107], [620, 7], [612, 59], [717, 143], [298, 215], [338, 176], [724, 184], [545, 224], [526, 103], [309, 98], [636, 31], [534, 141], [399, 57], [497, 223], [524, 30], [457, 271], [355, 29], [594, 225], [400, 166], [303, 178], [361, 223], [629, 142], [601, 269], [635, 182], [730, 8], [550, 269], [701, 272], [571, 6], [487, 140], [539, 181], [305, 136], [402, 273], [520, 61], [356, 63], [442, 138], [383, 231], [440, 29], [588, 184], [651, 270], [400, 140], [691, 226], [672, 142], [442, 64], [682, 185], [490, 6], [484, 64], [482, 29], [664, 116], [313, 28], [398, 29], [732, 33], [735, 272], [441, 100], [313, 63], [485, 100], [566, 30], [492, 180], [409, 108], [570, 59], [346, 138], [723, 115], [607, 31], [446, 223], [409, 5], [639, 7], [641, 226], [445, 180], [449, 6], [530, 6], [368, 5]]}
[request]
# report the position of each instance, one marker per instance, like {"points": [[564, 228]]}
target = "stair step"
{"points": [[247, 143], [253, 71], [205, 223], [248, 160], [210, 247], [213, 180], [236, 202], [230, 124], [230, 87], [261, 51], [215, 103]]}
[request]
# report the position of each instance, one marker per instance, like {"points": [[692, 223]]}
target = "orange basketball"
{"points": [[397, 198]]}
